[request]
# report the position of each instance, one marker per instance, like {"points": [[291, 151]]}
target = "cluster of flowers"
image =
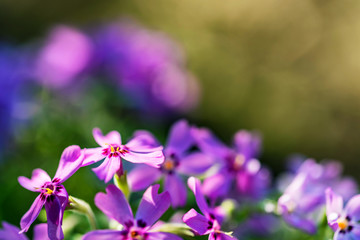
{"points": [[193, 153]]}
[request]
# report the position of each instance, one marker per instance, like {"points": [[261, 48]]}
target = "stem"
{"points": [[84, 208]]}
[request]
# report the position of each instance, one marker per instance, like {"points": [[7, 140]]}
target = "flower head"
{"points": [[178, 161], [113, 151], [11, 232], [344, 221], [52, 193], [140, 227], [210, 222]]}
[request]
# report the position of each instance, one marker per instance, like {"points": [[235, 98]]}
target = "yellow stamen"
{"points": [[343, 224], [169, 165]]}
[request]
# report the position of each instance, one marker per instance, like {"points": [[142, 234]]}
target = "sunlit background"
{"points": [[288, 69]]}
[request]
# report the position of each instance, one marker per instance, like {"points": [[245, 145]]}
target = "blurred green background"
{"points": [[289, 69]]}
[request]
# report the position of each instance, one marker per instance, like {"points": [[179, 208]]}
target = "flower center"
{"points": [[169, 164], [343, 223], [114, 150], [238, 161]]}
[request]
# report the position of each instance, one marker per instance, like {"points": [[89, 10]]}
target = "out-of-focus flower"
{"points": [[148, 67], [52, 193], [177, 161], [66, 54], [259, 224], [238, 164], [301, 203], [11, 232], [115, 206], [210, 222], [344, 221], [113, 151]]}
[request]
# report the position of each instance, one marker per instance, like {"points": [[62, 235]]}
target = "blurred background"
{"points": [[289, 69]]}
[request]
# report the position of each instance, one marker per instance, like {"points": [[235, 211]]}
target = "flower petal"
{"points": [[353, 208], [112, 137], [70, 161], [218, 185], [177, 190], [150, 158], [114, 205], [153, 205], [196, 221], [41, 232], [195, 163], [38, 178], [54, 212], [92, 155], [108, 168], [298, 222], [11, 232], [180, 138], [248, 144], [30, 216], [147, 138], [103, 235], [341, 236], [144, 141], [142, 176], [194, 185], [162, 236], [334, 207]]}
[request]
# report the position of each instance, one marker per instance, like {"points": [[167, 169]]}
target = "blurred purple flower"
{"points": [[66, 54], [344, 221], [115, 206], [113, 151], [210, 222], [148, 66], [52, 193], [238, 164], [177, 161], [303, 198], [11, 232]]}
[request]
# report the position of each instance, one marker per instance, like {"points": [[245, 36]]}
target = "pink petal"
{"points": [[154, 159], [54, 212], [11, 232], [30, 216], [112, 137], [41, 232], [334, 207], [38, 178], [70, 161], [177, 190], [103, 235], [194, 185], [143, 141], [153, 205], [180, 138], [114, 205], [218, 185], [108, 168], [162, 236], [195, 163], [196, 221], [92, 155], [142, 176], [353, 208]]}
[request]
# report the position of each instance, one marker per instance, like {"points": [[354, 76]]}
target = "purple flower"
{"points": [[115, 206], [304, 196], [11, 232], [52, 193], [210, 222], [148, 67], [65, 56], [237, 165], [177, 161], [344, 221], [113, 151]]}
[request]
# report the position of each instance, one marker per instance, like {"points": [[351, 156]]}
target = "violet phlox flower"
{"points": [[210, 221], [66, 54], [11, 232], [52, 193], [238, 164], [115, 206], [178, 161], [113, 151], [344, 221], [302, 200]]}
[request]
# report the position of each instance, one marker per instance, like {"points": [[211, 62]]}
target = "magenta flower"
{"points": [[210, 222], [177, 161], [344, 221], [237, 165], [11, 232], [113, 151], [115, 206], [52, 193]]}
